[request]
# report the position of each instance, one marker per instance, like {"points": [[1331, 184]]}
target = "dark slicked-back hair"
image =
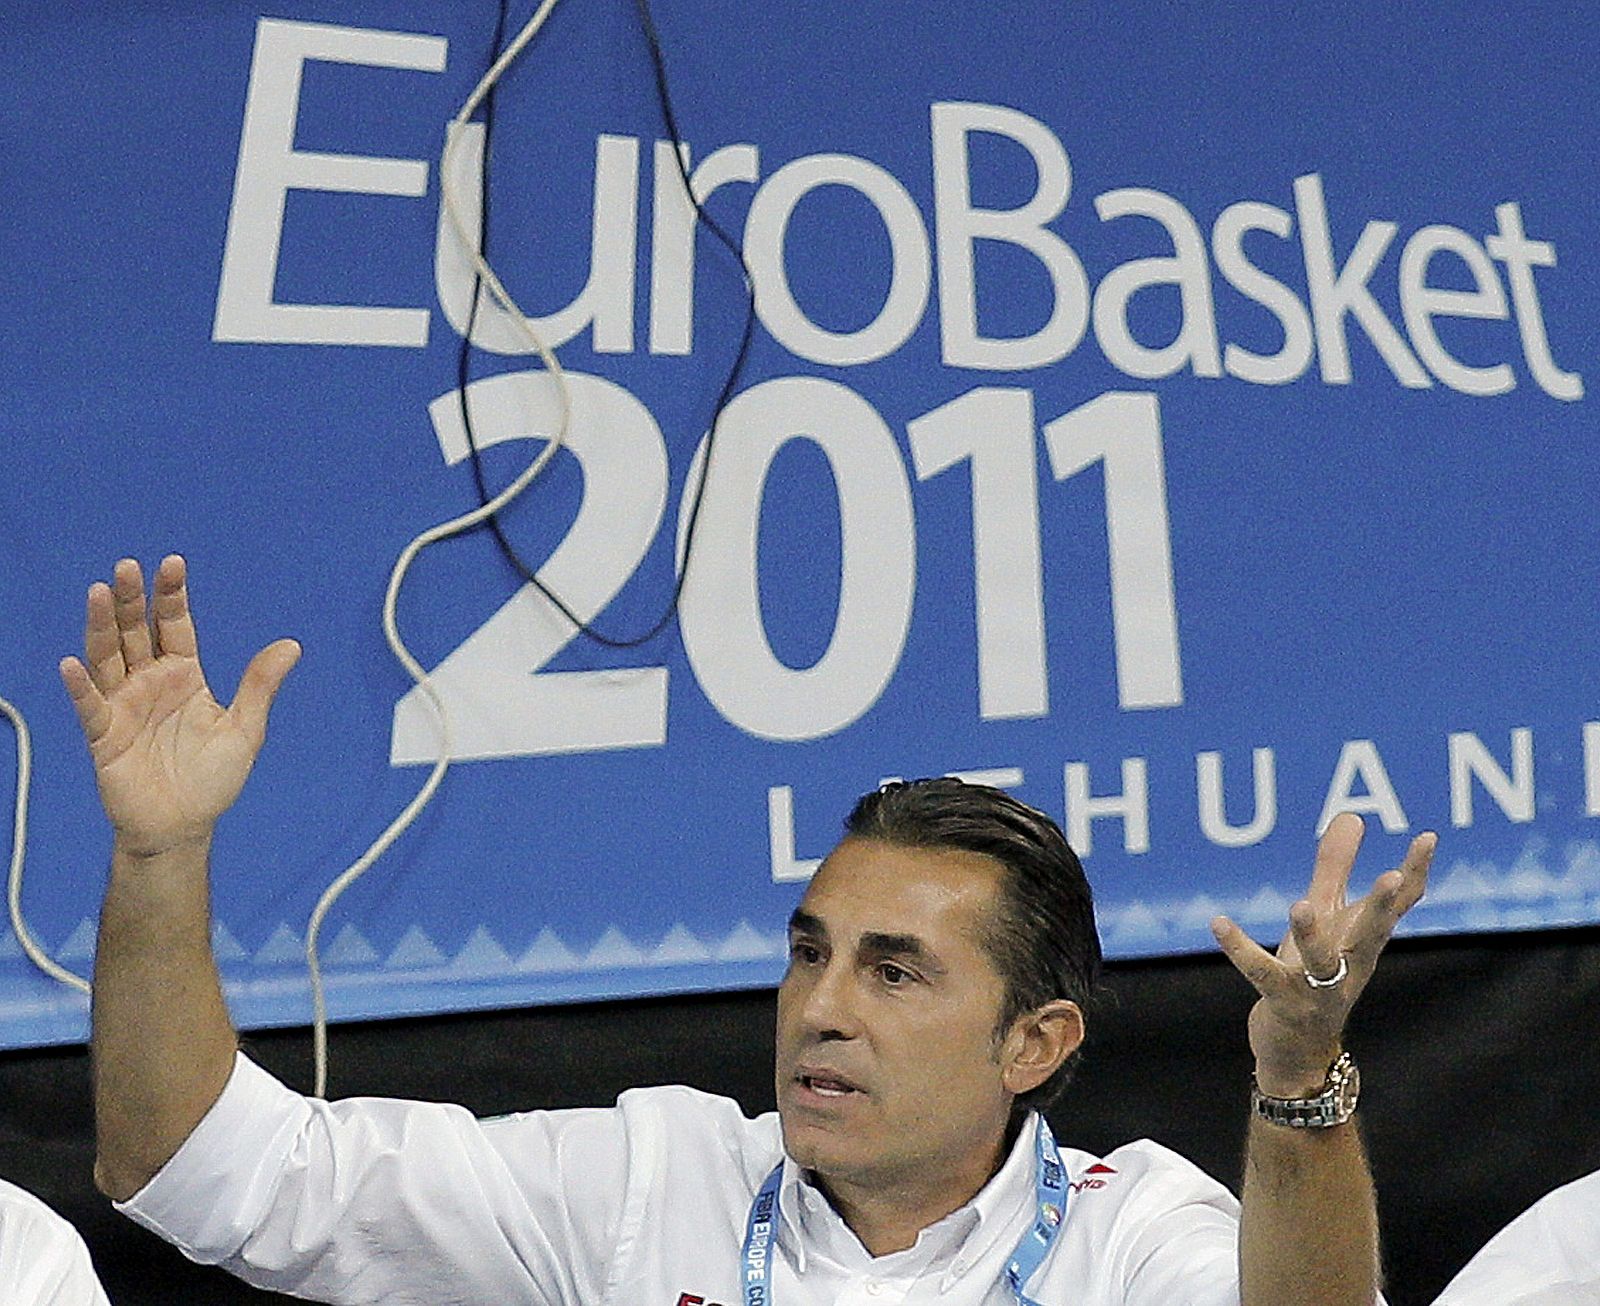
{"points": [[1042, 937]]}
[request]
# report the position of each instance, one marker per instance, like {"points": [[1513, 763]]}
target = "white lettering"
{"points": [[996, 777], [1521, 255], [720, 616], [269, 167], [786, 867], [1359, 760], [1132, 806], [672, 237], [1186, 268], [1421, 303], [958, 225], [1213, 813], [1591, 768], [1469, 759], [1227, 243], [1335, 293], [1123, 430], [764, 235], [502, 699], [993, 428], [606, 300]]}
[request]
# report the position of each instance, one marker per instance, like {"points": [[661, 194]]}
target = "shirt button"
{"points": [[874, 1287]]}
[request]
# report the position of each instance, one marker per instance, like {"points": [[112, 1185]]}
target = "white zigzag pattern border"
{"points": [[1466, 896]]}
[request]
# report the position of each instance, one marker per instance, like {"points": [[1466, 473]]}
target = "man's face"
{"points": [[886, 1061]]}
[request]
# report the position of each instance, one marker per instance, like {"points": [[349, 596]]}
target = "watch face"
{"points": [[1347, 1090]]}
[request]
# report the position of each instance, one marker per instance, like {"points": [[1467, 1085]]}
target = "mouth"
{"points": [[826, 1085]]}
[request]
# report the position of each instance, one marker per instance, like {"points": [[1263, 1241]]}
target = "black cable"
{"points": [[464, 357], [507, 550]]}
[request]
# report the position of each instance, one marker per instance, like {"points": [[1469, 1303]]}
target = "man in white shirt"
{"points": [[1548, 1256], [940, 964], [43, 1261]]}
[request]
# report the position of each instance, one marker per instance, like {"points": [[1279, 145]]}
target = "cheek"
{"points": [[789, 1001], [951, 1054]]}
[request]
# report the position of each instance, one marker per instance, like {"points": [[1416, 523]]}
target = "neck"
{"points": [[888, 1217]]}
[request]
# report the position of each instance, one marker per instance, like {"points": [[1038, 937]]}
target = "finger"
{"points": [[133, 624], [1413, 872], [1264, 971], [94, 713], [1318, 947], [260, 684], [1393, 894], [174, 623], [102, 646], [1336, 854]]}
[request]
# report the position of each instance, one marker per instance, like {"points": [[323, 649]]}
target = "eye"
{"points": [[802, 953], [894, 976]]}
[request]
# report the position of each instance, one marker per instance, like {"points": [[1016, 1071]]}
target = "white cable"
{"points": [[469, 243], [19, 844]]}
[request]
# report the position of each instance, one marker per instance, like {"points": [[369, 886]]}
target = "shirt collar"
{"points": [[1000, 1210], [1003, 1207]]}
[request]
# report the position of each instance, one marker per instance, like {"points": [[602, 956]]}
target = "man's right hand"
{"points": [[169, 759]]}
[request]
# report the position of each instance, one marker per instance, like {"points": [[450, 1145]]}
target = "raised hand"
{"points": [[168, 757], [1324, 962]]}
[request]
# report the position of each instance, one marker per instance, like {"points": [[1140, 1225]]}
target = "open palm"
{"points": [[169, 759], [1330, 952]]}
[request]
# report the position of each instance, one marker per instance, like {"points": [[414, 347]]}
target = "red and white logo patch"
{"points": [[1091, 1178]]}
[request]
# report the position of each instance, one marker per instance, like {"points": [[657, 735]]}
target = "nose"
{"points": [[827, 1007]]}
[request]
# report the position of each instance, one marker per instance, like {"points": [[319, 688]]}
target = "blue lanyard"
{"points": [[1050, 1211]]}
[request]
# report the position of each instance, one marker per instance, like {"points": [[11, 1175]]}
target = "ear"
{"points": [[1038, 1043]]}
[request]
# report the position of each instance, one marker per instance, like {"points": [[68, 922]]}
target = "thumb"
{"points": [[259, 686]]}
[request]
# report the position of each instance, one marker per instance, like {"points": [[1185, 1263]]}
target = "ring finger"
{"points": [[1319, 954]]}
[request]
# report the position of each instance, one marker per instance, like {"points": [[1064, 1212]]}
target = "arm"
{"points": [[169, 760], [1308, 1232]]}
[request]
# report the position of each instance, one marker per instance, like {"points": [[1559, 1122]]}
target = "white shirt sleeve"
{"points": [[1548, 1254], [1176, 1239], [376, 1200], [43, 1261]]}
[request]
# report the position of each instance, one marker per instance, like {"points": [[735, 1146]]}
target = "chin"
{"points": [[813, 1146]]}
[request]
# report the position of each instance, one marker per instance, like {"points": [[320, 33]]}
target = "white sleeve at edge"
{"points": [[219, 1183], [384, 1200]]}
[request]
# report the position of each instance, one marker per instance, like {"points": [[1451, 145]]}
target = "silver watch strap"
{"points": [[1334, 1105]]}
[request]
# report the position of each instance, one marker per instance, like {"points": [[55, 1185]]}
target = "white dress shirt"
{"points": [[1548, 1256], [644, 1204], [43, 1262]]}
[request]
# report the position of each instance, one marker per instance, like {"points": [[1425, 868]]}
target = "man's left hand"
{"points": [[1296, 1027]]}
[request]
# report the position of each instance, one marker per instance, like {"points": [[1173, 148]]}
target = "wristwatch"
{"points": [[1335, 1104]]}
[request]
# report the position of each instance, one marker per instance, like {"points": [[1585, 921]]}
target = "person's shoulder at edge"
{"points": [[37, 1242], [24, 1215], [1550, 1253]]}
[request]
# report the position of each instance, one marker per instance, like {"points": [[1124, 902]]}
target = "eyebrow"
{"points": [[803, 922], [874, 943]]}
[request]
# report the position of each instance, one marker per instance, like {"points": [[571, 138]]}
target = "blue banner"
{"points": [[1178, 416]]}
